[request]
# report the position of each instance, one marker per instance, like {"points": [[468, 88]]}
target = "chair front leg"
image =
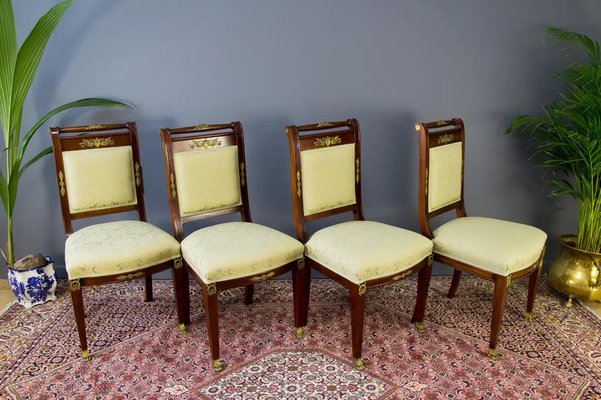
{"points": [[209, 295], [148, 288], [423, 285], [249, 291], [181, 286], [454, 283], [78, 311], [357, 320], [498, 307], [301, 287]]}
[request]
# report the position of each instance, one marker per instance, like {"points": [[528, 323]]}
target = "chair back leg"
{"points": [[357, 320], [498, 307], [148, 288], [454, 283], [249, 291], [533, 285]]}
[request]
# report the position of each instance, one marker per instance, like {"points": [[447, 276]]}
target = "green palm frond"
{"points": [[568, 136], [18, 67]]}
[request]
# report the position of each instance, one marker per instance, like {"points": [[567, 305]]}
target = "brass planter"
{"points": [[576, 273]]}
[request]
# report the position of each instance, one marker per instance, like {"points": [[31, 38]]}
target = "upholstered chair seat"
{"points": [[238, 249], [497, 246], [117, 248], [364, 250]]}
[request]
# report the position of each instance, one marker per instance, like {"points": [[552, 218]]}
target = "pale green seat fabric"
{"points": [[365, 250], [497, 246], [117, 247], [238, 249]]}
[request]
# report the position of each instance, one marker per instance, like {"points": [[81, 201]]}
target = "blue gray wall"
{"points": [[269, 63]]}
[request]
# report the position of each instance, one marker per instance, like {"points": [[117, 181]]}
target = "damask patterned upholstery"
{"points": [[498, 246], [99, 178], [366, 250], [207, 179], [444, 185], [328, 178], [117, 247], [238, 249]]}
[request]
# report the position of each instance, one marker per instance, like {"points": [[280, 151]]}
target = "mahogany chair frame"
{"points": [[327, 134], [213, 136], [81, 138], [444, 132]]}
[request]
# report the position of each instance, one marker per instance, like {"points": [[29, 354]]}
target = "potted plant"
{"points": [[567, 137], [33, 279]]}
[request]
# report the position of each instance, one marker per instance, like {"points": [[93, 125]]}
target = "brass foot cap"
{"points": [[85, 356], [529, 316], [299, 332], [182, 328], [217, 365], [493, 355], [420, 327], [358, 364], [569, 303]]}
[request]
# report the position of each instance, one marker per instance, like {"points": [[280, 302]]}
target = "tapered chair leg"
{"points": [[423, 285], [301, 286], [181, 286], [249, 292], [209, 295], [357, 320], [148, 288], [454, 283], [532, 286], [78, 310], [498, 307]]}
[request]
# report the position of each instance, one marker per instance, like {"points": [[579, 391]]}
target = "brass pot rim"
{"points": [[569, 242]]}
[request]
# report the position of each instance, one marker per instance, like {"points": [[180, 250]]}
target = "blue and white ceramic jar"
{"points": [[35, 285]]}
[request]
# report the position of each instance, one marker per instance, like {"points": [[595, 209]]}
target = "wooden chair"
{"points": [[496, 250], [205, 171], [325, 175], [98, 173]]}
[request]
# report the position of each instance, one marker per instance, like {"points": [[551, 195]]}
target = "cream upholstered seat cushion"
{"points": [[366, 250], [238, 249], [497, 246], [117, 247]]}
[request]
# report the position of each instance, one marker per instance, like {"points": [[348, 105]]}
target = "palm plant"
{"points": [[18, 67], [568, 136]]}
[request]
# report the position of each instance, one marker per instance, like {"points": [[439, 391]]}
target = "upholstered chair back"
{"points": [[326, 164], [98, 170], [206, 171], [441, 168]]}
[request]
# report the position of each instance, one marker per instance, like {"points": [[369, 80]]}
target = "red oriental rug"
{"points": [[138, 352]]}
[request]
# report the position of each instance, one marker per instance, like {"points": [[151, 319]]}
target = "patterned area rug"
{"points": [[139, 353]]}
